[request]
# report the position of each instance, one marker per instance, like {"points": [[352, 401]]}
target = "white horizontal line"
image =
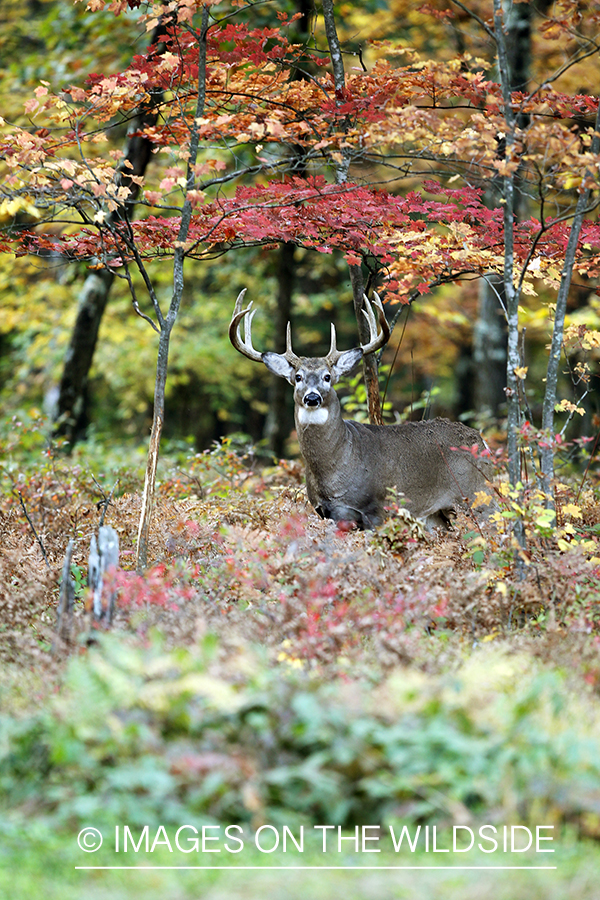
{"points": [[321, 868]]}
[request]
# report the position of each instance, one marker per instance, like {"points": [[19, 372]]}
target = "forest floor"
{"points": [[273, 669]]}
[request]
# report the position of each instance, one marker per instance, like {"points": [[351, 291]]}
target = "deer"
{"points": [[351, 467]]}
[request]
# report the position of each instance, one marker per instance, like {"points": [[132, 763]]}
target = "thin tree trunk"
{"points": [[489, 333], [279, 419], [510, 289], [169, 320], [70, 415], [370, 367], [547, 449], [277, 426]]}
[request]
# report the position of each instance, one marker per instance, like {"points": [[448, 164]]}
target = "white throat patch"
{"points": [[312, 416]]}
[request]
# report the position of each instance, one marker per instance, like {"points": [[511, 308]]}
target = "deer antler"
{"points": [[235, 336], [245, 346], [377, 338], [289, 353], [334, 354]]}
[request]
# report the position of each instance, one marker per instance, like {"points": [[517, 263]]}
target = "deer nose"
{"points": [[312, 399]]}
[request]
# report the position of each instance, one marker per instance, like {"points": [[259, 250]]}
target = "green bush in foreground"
{"points": [[138, 734]]}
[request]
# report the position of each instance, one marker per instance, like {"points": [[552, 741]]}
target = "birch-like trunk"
{"points": [[511, 292], [489, 333], [166, 324]]}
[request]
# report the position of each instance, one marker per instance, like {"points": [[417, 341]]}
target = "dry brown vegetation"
{"points": [[242, 554]]}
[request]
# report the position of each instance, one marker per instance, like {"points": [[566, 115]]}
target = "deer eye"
{"points": [[298, 377], [327, 377]]}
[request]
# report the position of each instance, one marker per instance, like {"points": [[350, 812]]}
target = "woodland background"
{"points": [[265, 666]]}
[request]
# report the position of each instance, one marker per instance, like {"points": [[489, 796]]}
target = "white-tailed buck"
{"points": [[351, 467]]}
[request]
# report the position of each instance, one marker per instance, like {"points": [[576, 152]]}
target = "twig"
{"points": [[144, 316], [106, 501], [489, 31], [32, 526], [134, 300], [385, 390]]}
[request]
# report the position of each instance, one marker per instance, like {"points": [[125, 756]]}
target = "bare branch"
{"points": [[489, 31], [32, 526]]}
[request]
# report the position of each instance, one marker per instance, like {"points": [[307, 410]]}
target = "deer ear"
{"points": [[346, 362], [278, 365]]}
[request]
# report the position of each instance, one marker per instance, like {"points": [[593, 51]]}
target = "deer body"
{"points": [[350, 466], [414, 458]]}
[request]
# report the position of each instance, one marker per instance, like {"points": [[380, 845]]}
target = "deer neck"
{"points": [[322, 435]]}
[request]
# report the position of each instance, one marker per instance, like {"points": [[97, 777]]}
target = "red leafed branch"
{"points": [[417, 236]]}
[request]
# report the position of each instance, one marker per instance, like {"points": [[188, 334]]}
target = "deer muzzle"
{"points": [[312, 399]]}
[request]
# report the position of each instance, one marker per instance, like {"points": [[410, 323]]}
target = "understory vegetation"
{"points": [[272, 667]]}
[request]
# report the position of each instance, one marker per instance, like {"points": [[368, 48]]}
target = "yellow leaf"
{"points": [[590, 339], [17, 204], [589, 546], [567, 406]]}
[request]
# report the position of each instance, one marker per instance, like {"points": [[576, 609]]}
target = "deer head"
{"points": [[312, 378]]}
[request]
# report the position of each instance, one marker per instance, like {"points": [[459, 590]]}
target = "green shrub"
{"points": [[139, 734]]}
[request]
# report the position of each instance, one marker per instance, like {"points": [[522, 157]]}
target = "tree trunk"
{"points": [[278, 424], [511, 292], [489, 334], [71, 416], [489, 349], [517, 24], [167, 322], [279, 419], [370, 366]]}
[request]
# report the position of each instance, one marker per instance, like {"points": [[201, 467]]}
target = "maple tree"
{"points": [[227, 108]]}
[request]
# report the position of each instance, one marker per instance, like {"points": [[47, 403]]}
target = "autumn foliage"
{"points": [[255, 111]]}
